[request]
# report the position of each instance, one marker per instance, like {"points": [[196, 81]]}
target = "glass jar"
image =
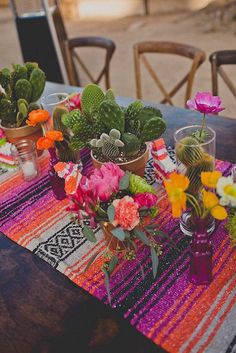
{"points": [[25, 155], [50, 102], [192, 158]]}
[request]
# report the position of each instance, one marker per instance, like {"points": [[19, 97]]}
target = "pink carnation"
{"points": [[205, 103], [146, 199], [126, 213], [105, 181], [2, 135]]}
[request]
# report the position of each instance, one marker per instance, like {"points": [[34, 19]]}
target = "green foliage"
{"points": [[88, 233], [152, 129], [110, 95], [24, 82], [92, 97], [119, 233], [139, 185], [231, 226], [72, 118], [132, 144], [112, 115]]}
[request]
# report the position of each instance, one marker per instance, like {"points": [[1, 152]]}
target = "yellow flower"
{"points": [[175, 188], [211, 203], [210, 179]]}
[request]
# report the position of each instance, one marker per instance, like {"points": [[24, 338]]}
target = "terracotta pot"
{"points": [[136, 166], [112, 242], [26, 132]]}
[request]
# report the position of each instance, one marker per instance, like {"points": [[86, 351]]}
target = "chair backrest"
{"points": [[71, 56], [217, 60], [196, 55]]}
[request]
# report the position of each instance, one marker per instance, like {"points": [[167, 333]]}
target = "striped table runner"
{"points": [[175, 314]]}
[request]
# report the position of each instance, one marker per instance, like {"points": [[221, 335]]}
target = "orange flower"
{"points": [[44, 143], [210, 179], [37, 116], [54, 135], [175, 188]]}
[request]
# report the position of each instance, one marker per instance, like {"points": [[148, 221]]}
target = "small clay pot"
{"points": [[136, 166], [112, 242], [26, 132]]}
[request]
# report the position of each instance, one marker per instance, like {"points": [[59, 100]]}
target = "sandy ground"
{"points": [[189, 28]]}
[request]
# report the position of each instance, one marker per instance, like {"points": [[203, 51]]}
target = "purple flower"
{"points": [[205, 103]]}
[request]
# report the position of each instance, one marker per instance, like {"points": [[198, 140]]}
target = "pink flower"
{"points": [[126, 213], [74, 102], [146, 199], [105, 181], [205, 103], [2, 135]]}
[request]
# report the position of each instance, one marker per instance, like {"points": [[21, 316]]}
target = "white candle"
{"points": [[29, 170]]}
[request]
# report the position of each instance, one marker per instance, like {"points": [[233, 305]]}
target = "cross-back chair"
{"points": [[71, 56], [197, 56], [217, 60]]}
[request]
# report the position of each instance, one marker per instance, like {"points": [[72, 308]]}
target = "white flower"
{"points": [[226, 189], [2, 90]]}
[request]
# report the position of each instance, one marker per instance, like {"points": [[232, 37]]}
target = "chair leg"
{"points": [[214, 76], [146, 7], [137, 73]]}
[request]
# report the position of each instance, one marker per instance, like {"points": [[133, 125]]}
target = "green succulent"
{"points": [[23, 86]]}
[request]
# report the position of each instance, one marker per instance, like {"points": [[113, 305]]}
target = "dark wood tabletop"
{"points": [[42, 311]]}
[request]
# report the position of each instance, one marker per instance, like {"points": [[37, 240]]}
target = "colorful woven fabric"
{"points": [[175, 314]]}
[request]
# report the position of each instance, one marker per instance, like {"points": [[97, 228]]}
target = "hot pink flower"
{"points": [[74, 102], [105, 181], [126, 213], [205, 103], [146, 199], [2, 135]]}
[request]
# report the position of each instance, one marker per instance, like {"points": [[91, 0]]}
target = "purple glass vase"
{"points": [[201, 255], [58, 184]]}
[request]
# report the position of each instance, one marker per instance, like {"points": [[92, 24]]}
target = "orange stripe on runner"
{"points": [[211, 317], [220, 322], [171, 309], [192, 318]]}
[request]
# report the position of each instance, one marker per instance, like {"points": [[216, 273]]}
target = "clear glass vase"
{"points": [[194, 157]]}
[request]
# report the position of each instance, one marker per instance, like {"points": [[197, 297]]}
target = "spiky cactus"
{"points": [[131, 144], [25, 82], [92, 97], [188, 151], [112, 115]]}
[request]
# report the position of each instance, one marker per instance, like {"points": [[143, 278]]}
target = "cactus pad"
{"points": [[132, 144], [37, 80], [152, 129], [91, 98], [72, 118], [112, 115], [23, 89], [147, 113]]}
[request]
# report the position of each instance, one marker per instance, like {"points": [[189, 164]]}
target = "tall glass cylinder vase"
{"points": [[194, 157], [50, 102]]}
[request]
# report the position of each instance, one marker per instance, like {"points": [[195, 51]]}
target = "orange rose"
{"points": [[54, 135], [37, 116], [44, 143]]}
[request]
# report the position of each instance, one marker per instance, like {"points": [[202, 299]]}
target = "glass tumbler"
{"points": [[25, 155], [50, 102]]}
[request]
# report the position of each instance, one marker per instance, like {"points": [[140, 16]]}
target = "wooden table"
{"points": [[42, 311]]}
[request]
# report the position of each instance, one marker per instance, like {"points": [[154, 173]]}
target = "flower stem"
{"points": [[203, 125], [193, 201]]}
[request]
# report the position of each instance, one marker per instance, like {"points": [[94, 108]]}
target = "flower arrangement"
{"points": [[125, 206], [205, 103], [114, 133], [20, 89]]}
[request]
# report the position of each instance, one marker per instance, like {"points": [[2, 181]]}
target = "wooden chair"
{"points": [[71, 56], [217, 60], [140, 49]]}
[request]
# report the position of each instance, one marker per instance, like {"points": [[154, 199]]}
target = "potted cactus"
{"points": [[20, 89], [114, 133]]}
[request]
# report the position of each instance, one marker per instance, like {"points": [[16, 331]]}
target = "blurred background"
{"points": [[207, 24]]}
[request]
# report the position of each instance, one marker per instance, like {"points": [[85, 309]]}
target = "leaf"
{"points": [[88, 233], [155, 262], [143, 211], [124, 182], [132, 243], [127, 235], [142, 271], [111, 213], [112, 264], [141, 236], [159, 233], [107, 284], [151, 227], [91, 261], [119, 233]]}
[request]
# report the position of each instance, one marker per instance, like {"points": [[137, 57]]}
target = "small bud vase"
{"points": [[58, 184], [201, 255]]}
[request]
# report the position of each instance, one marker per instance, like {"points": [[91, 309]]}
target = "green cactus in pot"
{"points": [[113, 131], [20, 90]]}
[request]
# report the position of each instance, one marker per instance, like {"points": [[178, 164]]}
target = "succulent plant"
{"points": [[110, 144], [23, 86], [188, 151], [101, 115]]}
